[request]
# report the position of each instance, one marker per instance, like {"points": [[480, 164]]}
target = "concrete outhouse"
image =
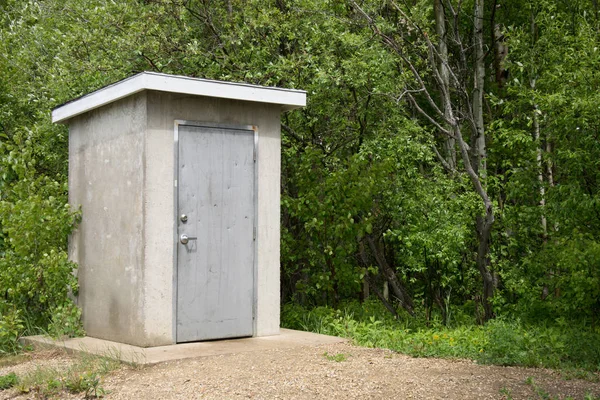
{"points": [[178, 181]]}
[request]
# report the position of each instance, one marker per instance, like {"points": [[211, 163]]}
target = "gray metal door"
{"points": [[216, 212]]}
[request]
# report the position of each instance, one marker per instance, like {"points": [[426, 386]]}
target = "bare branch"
{"points": [[457, 82], [449, 6], [441, 159], [397, 287], [427, 116], [473, 175], [292, 133], [151, 62], [392, 43]]}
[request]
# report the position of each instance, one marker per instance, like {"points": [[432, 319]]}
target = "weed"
{"points": [[513, 343], [84, 376], [12, 359], [87, 383], [506, 394], [339, 357], [541, 393], [8, 381], [44, 382]]}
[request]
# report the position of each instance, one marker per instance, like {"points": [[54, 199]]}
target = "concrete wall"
{"points": [[121, 171], [106, 177], [163, 110]]}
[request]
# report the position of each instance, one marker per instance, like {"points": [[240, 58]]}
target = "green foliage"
{"points": [[498, 342], [66, 321], [405, 335], [9, 380], [506, 394], [34, 269], [513, 343], [379, 189], [554, 71], [11, 327]]}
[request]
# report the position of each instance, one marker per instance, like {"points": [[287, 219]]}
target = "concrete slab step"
{"points": [[287, 338]]}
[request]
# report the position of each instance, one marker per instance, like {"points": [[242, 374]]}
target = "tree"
{"points": [[548, 133], [459, 82]]}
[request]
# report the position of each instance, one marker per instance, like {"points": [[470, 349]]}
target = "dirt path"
{"points": [[307, 373]]}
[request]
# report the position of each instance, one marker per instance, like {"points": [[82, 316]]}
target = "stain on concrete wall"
{"points": [[106, 178]]}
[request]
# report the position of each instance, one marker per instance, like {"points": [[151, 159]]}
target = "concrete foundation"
{"points": [[287, 339]]}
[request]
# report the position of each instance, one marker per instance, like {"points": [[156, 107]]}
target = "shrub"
{"points": [[36, 276], [11, 327]]}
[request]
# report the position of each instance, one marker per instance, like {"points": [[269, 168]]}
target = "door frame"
{"points": [[200, 124]]}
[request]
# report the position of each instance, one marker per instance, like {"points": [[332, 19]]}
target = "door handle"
{"points": [[184, 239]]}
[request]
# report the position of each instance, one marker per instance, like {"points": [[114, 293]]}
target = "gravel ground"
{"points": [[306, 373]]}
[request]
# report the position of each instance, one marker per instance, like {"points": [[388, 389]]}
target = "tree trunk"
{"points": [[484, 225], [384, 300], [365, 288], [540, 163], [540, 168], [397, 287], [484, 229], [485, 222], [442, 65], [478, 138], [500, 53]]}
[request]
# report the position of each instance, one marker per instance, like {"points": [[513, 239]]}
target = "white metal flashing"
{"points": [[289, 99]]}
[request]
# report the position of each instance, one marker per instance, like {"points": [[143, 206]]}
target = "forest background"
{"points": [[440, 192]]}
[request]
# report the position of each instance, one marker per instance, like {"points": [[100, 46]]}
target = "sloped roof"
{"points": [[289, 99]]}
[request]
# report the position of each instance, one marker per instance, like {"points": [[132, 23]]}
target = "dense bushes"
{"points": [[35, 273]]}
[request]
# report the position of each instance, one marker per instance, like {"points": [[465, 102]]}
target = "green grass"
{"points": [[574, 349], [84, 376], [339, 357]]}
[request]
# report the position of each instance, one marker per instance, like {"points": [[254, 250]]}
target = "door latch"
{"points": [[184, 239]]}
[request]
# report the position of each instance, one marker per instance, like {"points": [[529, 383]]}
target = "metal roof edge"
{"points": [[289, 99]]}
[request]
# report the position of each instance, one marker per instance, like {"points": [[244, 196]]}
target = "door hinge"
{"points": [[254, 233]]}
